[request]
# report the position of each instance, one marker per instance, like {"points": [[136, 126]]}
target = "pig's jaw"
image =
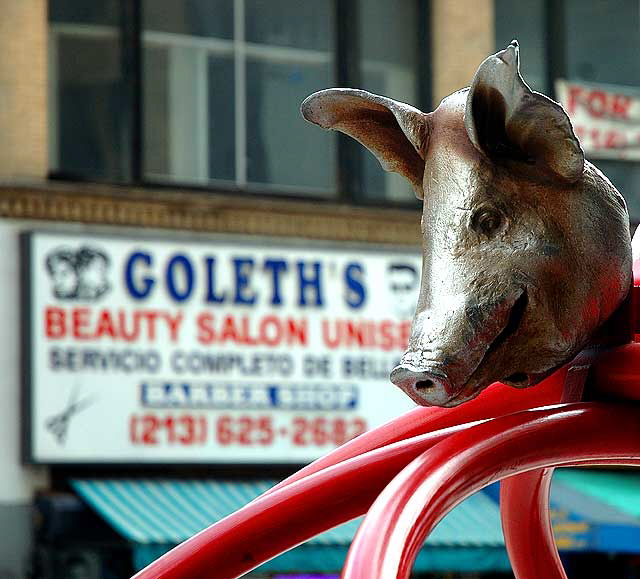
{"points": [[507, 318]]}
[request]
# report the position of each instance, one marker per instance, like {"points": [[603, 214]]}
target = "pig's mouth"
{"points": [[436, 384], [513, 324], [518, 379]]}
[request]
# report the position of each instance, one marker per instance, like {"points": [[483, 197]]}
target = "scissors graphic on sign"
{"points": [[58, 424]]}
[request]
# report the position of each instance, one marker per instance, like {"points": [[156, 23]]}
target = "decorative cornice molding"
{"points": [[206, 212]]}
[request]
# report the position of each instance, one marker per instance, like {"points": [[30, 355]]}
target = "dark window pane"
{"points": [[298, 24], [212, 18], [106, 12], [603, 46], [603, 41], [221, 119], [524, 21], [188, 114], [390, 68], [196, 129], [189, 99], [88, 109], [88, 104], [157, 134], [283, 149]]}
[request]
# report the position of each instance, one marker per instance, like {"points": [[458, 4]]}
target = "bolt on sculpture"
{"points": [[526, 280]]}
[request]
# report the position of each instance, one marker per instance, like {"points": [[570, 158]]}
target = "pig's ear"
{"points": [[396, 133], [509, 122]]}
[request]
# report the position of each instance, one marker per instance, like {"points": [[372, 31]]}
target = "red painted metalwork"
{"points": [[412, 504], [497, 400], [461, 459], [281, 519], [524, 500], [616, 373], [296, 509], [524, 507]]}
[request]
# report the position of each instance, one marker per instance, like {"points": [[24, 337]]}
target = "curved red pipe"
{"points": [[282, 519], [419, 497], [524, 508], [497, 400], [291, 513], [524, 500], [615, 373]]}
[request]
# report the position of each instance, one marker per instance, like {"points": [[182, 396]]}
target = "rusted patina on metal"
{"points": [[526, 248]]}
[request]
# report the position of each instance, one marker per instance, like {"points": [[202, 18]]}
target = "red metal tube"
{"points": [[223, 546], [524, 508], [412, 504], [615, 373], [524, 500], [280, 520], [497, 400]]}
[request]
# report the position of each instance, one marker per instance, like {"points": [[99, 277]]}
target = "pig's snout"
{"points": [[425, 387]]}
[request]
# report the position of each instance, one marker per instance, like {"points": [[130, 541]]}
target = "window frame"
{"points": [[556, 54], [346, 63]]}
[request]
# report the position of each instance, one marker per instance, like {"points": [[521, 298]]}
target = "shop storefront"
{"points": [[216, 353], [224, 358]]}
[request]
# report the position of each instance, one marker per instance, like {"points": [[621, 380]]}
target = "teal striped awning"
{"points": [[599, 509], [155, 515]]}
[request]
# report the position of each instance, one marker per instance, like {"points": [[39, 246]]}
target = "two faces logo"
{"points": [[78, 275]]}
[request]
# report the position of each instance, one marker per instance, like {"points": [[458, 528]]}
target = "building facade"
{"points": [[165, 126]]}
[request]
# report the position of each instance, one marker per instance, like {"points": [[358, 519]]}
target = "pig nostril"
{"points": [[518, 377], [424, 384]]}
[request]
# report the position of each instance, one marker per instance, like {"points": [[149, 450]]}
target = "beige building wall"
{"points": [[462, 37], [23, 89], [462, 33]]}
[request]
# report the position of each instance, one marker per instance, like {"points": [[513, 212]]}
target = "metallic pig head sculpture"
{"points": [[526, 248]]}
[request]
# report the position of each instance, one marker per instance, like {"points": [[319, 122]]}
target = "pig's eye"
{"points": [[487, 221]]}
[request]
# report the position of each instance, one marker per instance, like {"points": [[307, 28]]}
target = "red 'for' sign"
{"points": [[599, 103]]}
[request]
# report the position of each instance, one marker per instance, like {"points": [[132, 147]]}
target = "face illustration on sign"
{"points": [[78, 275], [92, 267], [62, 271], [403, 282]]}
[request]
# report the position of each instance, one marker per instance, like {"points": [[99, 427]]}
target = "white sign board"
{"points": [[606, 119], [164, 352]]}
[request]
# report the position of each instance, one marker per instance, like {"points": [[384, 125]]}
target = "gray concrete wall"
{"points": [[16, 542], [18, 482]]}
